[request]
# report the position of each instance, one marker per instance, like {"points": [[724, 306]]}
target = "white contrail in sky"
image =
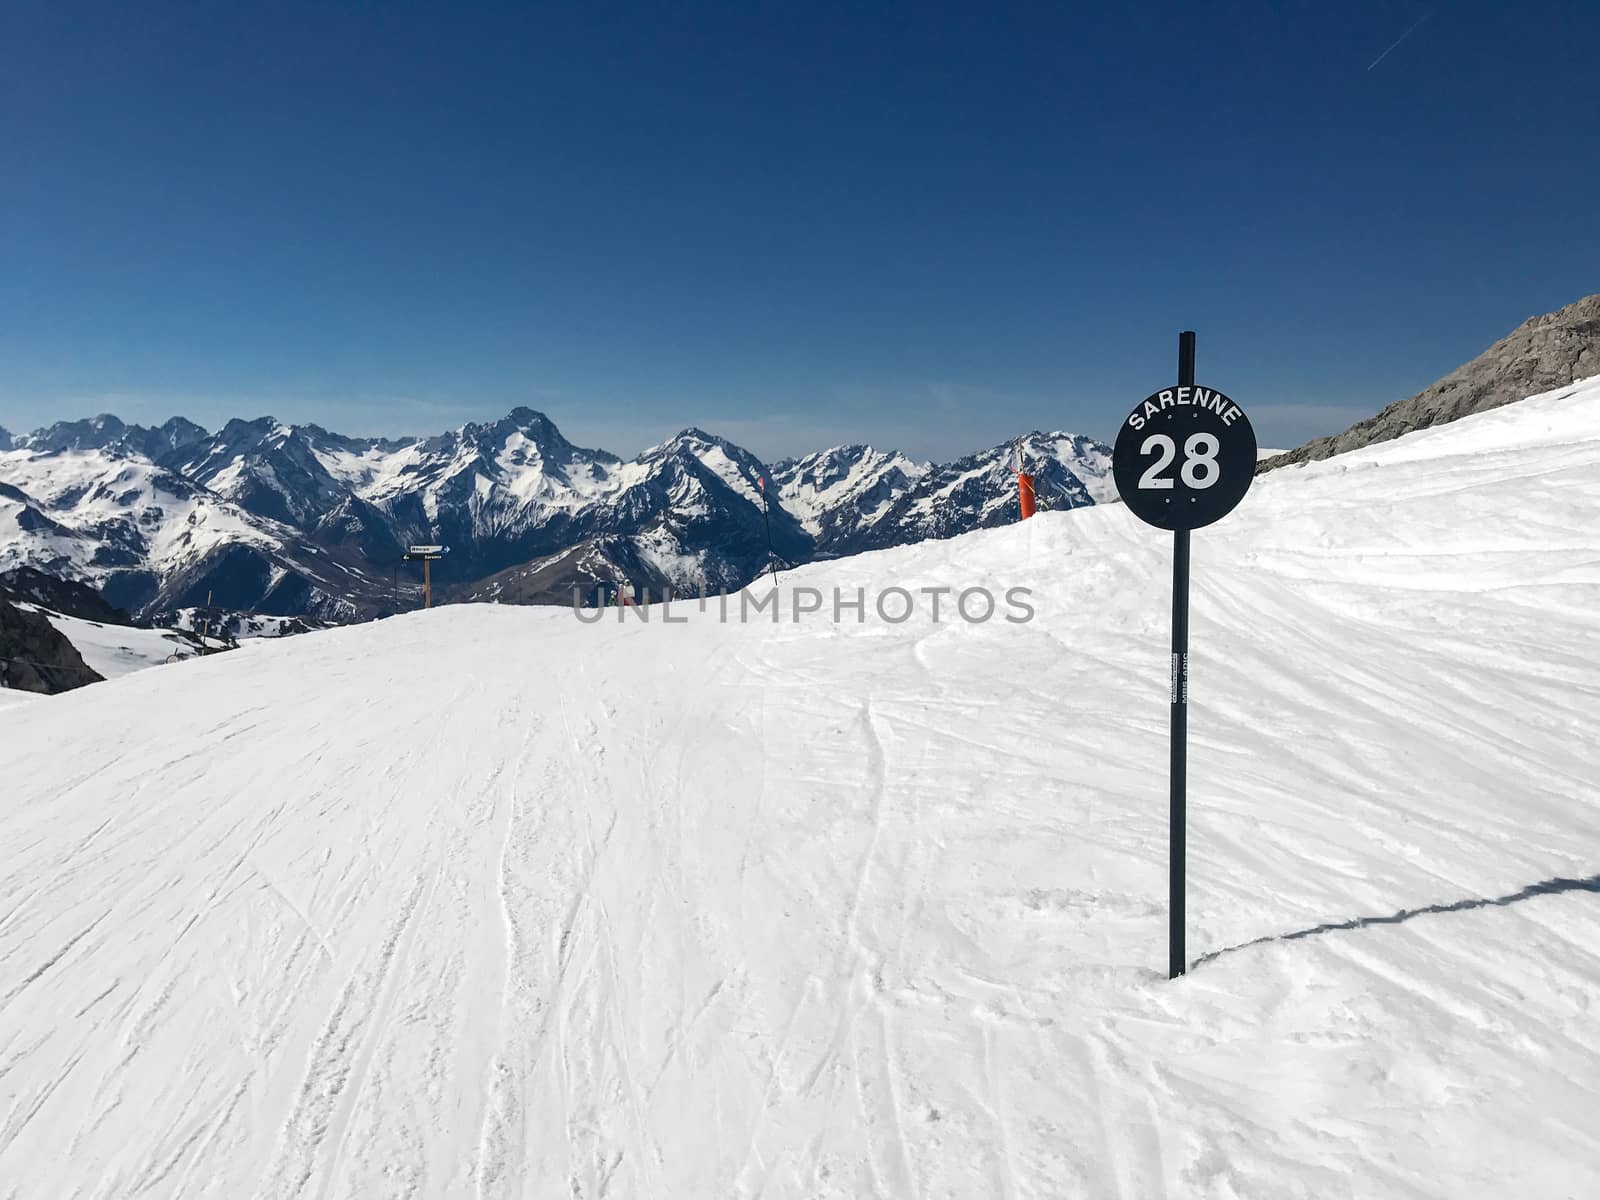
{"points": [[1400, 39]]}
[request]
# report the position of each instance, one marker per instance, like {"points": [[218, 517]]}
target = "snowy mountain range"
{"points": [[294, 519], [856, 498]]}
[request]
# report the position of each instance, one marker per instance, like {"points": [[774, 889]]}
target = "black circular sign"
{"points": [[1184, 457]]}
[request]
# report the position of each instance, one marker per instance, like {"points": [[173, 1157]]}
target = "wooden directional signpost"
{"points": [[427, 555], [1184, 458]]}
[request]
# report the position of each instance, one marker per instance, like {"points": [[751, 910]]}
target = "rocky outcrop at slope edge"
{"points": [[36, 657], [64, 596], [1541, 354]]}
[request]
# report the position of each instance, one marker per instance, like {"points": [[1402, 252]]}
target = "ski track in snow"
{"points": [[486, 903]]}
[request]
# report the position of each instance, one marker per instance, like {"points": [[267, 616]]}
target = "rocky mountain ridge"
{"points": [[1540, 355], [269, 517]]}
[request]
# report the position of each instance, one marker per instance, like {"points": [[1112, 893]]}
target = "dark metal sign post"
{"points": [[1184, 457]]}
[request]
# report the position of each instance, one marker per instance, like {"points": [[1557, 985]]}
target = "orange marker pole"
{"points": [[1025, 493]]}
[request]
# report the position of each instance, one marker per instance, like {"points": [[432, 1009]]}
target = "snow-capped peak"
{"points": [[836, 492], [501, 493]]}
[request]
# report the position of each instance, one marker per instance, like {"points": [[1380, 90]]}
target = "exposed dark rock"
{"points": [[35, 656], [588, 574], [64, 596]]}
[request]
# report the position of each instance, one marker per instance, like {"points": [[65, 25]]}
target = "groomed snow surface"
{"points": [[486, 902]]}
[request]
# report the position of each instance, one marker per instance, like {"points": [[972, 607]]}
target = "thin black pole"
{"points": [[1177, 960], [766, 513]]}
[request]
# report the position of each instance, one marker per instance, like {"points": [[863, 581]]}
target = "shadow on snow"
{"points": [[1547, 887]]}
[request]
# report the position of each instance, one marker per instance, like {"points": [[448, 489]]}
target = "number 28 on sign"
{"points": [[1184, 457]]}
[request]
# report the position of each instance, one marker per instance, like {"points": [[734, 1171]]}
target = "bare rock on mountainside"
{"points": [[588, 574], [65, 596], [35, 656], [1541, 354]]}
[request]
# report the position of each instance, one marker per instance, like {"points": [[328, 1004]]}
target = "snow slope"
{"points": [[484, 902], [11, 698]]}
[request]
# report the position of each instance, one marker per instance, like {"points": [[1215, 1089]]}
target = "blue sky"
{"points": [[930, 226]]}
